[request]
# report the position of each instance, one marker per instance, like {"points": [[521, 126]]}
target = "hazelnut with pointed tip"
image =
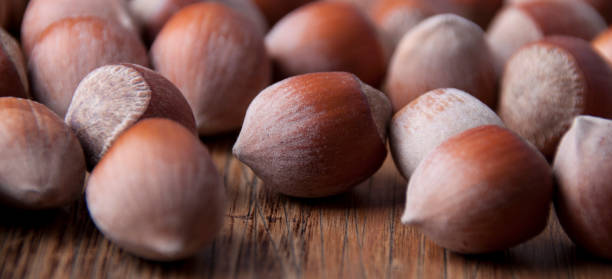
{"points": [[480, 191], [315, 135], [41, 162], [112, 98], [442, 51], [548, 83], [157, 193], [431, 119]]}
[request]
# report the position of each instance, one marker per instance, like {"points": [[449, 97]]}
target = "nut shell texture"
{"points": [[112, 98], [584, 174], [442, 51], [157, 193], [315, 135], [431, 119], [483, 190], [217, 60], [71, 48], [548, 83], [42, 164], [327, 36], [13, 77]]}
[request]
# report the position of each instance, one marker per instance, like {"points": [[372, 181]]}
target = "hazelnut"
{"points": [[327, 36], [13, 77], [112, 98], [274, 10], [603, 45], [604, 7], [42, 13], [218, 61], [394, 18], [483, 190], [153, 14], [523, 23], [42, 163], [548, 83], [71, 48], [583, 172], [479, 11], [315, 135], [431, 119], [156, 193], [363, 5], [442, 51]]}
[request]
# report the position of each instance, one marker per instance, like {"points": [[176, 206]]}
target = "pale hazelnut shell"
{"points": [[42, 164], [157, 193], [112, 98], [327, 36], [442, 51], [315, 135], [429, 120], [71, 48], [480, 191], [217, 60], [13, 77], [584, 179], [547, 83]]}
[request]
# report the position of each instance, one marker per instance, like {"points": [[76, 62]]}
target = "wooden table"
{"points": [[267, 235]]}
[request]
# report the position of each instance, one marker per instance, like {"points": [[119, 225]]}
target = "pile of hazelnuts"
{"points": [[489, 128]]}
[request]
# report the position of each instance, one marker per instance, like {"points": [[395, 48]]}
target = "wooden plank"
{"points": [[267, 235]]}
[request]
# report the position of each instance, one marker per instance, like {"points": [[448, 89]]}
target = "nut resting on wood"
{"points": [[41, 162], [315, 135], [156, 193], [112, 98], [480, 191]]}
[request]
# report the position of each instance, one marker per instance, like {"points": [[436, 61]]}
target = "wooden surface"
{"points": [[266, 235]]}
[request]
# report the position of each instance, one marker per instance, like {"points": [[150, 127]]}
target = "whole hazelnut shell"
{"points": [[315, 135], [480, 191], [583, 174], [42, 164], [157, 193], [42, 13], [71, 48], [431, 119], [548, 83], [112, 98], [13, 77], [327, 36], [523, 23], [442, 51], [153, 14], [217, 60]]}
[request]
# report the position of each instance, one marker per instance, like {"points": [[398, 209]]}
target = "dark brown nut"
{"points": [[13, 77], [41, 162], [157, 193], [112, 98], [315, 135]]}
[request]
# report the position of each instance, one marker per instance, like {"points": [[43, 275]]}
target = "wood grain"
{"points": [[267, 235]]}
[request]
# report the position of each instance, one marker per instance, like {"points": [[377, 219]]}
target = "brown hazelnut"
{"points": [[157, 193], [480, 191], [274, 10], [218, 61], [327, 36], [42, 13], [112, 98], [13, 77], [42, 164], [442, 51], [548, 83], [523, 23], [431, 119], [584, 179], [479, 11], [153, 14], [71, 48], [315, 135]]}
